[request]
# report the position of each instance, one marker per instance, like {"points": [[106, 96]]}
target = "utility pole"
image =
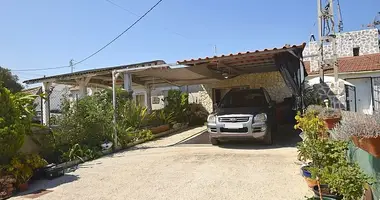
{"points": [[326, 36], [71, 64]]}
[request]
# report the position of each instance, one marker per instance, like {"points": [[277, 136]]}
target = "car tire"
{"points": [[268, 138], [214, 141]]}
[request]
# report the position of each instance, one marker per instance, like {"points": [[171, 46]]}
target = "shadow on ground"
{"points": [[41, 187], [286, 136]]}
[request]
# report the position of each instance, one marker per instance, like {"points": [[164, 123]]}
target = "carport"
{"points": [[217, 69], [286, 60]]}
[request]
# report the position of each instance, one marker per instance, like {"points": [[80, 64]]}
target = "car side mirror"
{"points": [[272, 103]]}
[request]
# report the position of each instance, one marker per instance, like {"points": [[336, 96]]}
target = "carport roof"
{"points": [[200, 71], [243, 62]]}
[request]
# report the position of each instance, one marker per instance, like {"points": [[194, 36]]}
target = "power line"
{"points": [[121, 7], [130, 12], [117, 37], [105, 46], [38, 69]]}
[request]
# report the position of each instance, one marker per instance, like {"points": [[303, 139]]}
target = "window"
{"points": [[243, 98], [140, 100], [155, 100], [356, 51]]}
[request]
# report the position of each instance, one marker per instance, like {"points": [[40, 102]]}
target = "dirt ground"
{"points": [[184, 166]]}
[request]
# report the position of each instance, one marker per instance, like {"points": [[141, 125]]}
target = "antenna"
{"points": [[340, 18], [375, 23], [326, 36], [71, 64]]}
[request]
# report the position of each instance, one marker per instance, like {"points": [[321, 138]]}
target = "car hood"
{"points": [[241, 110]]}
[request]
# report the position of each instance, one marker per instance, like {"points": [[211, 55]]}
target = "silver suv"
{"points": [[243, 114]]}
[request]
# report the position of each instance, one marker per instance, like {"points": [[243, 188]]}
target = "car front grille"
{"points": [[228, 130], [233, 119]]}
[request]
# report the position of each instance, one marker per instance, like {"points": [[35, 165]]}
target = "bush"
{"points": [[80, 152], [21, 167], [177, 103], [15, 119], [87, 122], [128, 136], [197, 114], [161, 117], [130, 114]]}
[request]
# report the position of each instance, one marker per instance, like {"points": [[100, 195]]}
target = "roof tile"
{"points": [[369, 62]]}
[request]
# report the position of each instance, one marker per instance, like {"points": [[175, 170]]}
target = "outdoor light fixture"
{"points": [[225, 75]]}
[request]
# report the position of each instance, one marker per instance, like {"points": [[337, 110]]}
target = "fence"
{"points": [[54, 99]]}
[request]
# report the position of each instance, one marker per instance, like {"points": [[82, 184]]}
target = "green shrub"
{"points": [[128, 136], [177, 103], [87, 122], [15, 119], [21, 166], [346, 179], [130, 114], [161, 117], [80, 152], [197, 114]]}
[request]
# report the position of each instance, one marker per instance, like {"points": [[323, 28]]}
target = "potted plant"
{"points": [[344, 180], [22, 167], [6, 186], [364, 130], [326, 192], [330, 116]]}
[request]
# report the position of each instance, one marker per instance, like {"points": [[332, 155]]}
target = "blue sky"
{"points": [[45, 33]]}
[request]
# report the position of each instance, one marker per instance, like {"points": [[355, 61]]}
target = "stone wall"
{"points": [[271, 81], [366, 40], [334, 92]]}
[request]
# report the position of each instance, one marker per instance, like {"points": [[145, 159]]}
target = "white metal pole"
{"points": [[320, 39], [114, 77]]}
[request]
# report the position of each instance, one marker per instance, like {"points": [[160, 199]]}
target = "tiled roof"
{"points": [[369, 62], [286, 47]]}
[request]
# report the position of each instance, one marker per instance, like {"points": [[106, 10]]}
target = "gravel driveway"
{"points": [[162, 170]]}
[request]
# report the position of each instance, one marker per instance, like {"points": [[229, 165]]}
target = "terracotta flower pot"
{"points": [[325, 192], [331, 122], [370, 145], [23, 187], [160, 129], [311, 182]]}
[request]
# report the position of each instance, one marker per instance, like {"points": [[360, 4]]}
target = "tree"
{"points": [[9, 81]]}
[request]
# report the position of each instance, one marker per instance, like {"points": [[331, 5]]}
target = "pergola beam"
{"points": [[231, 69], [205, 71]]}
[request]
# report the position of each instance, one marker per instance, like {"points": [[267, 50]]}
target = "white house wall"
{"points": [[367, 41]]}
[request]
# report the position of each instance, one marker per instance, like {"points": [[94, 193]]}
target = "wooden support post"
{"points": [[46, 103]]}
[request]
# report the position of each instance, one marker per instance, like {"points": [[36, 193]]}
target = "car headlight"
{"points": [[211, 119], [262, 117]]}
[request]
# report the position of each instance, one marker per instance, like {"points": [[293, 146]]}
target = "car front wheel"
{"points": [[214, 141], [268, 138]]}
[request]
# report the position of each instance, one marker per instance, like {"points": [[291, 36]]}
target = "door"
{"points": [[350, 98], [363, 95], [140, 100]]}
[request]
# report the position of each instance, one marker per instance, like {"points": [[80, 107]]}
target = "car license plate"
{"points": [[233, 126]]}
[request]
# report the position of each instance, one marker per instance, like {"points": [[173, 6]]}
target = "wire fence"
{"points": [[53, 100]]}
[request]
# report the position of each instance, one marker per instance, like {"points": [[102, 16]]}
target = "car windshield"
{"points": [[243, 98]]}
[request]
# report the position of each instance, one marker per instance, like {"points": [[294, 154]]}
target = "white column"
{"points": [[46, 103], [128, 82], [148, 98], [82, 83]]}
